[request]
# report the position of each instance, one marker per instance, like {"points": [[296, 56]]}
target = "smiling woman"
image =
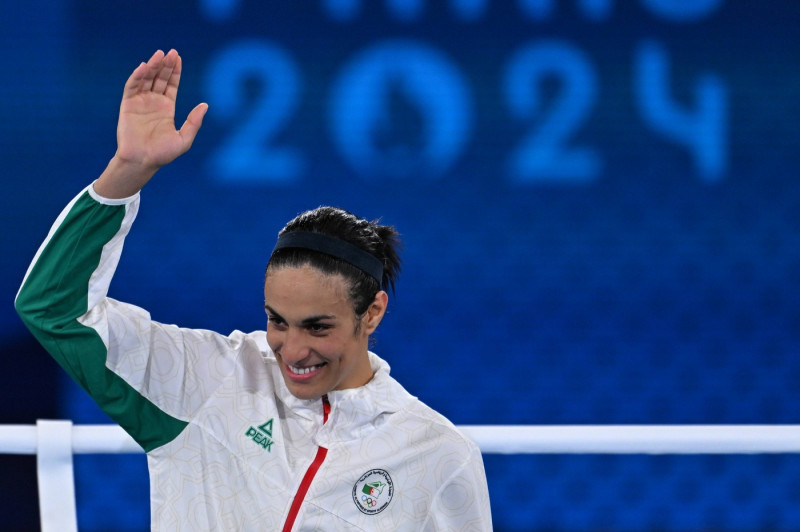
{"points": [[319, 341], [299, 427], [330, 271]]}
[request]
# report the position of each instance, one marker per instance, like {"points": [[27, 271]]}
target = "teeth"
{"points": [[304, 371]]}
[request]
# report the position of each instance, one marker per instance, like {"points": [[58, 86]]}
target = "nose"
{"points": [[293, 347]]}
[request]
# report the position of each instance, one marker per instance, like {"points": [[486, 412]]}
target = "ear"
{"points": [[372, 318]]}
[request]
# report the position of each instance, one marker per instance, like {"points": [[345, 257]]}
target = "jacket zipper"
{"points": [[309, 476]]}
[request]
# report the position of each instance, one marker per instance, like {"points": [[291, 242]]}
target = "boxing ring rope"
{"points": [[55, 442]]}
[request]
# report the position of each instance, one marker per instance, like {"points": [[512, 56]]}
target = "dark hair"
{"points": [[381, 241]]}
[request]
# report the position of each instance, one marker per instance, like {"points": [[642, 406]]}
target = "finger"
{"points": [[164, 74], [151, 70], [192, 125], [134, 83], [174, 79]]}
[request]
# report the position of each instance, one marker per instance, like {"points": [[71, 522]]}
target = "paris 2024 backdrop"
{"points": [[599, 201]]}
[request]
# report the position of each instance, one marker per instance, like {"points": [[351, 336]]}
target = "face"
{"points": [[320, 344]]}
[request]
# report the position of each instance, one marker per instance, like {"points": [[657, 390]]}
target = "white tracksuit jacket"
{"points": [[228, 447]]}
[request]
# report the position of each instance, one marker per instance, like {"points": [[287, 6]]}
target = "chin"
{"points": [[306, 394], [303, 392]]}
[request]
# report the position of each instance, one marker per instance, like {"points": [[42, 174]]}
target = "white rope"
{"points": [[636, 439], [54, 443], [507, 439]]}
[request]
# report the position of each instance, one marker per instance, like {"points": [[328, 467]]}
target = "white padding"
{"points": [[55, 476]]}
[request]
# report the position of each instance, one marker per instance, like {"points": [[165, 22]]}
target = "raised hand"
{"points": [[147, 138]]}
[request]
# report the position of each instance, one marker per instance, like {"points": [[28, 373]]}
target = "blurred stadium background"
{"points": [[599, 202]]}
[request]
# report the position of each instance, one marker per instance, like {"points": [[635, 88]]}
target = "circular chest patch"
{"points": [[373, 492]]}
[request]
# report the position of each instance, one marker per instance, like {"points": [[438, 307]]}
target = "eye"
{"points": [[275, 321], [319, 328]]}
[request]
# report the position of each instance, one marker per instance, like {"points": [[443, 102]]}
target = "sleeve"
{"points": [[462, 502], [139, 372]]}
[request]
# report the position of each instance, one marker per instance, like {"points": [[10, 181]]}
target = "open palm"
{"points": [[146, 132]]}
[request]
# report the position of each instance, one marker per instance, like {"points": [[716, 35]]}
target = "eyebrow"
{"points": [[305, 321]]}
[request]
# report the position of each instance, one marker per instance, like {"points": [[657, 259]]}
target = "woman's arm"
{"points": [[103, 344]]}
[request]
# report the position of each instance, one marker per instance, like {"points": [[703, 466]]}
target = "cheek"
{"points": [[328, 348], [271, 343], [274, 338], [334, 348]]}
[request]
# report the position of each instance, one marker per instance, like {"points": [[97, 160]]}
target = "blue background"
{"points": [[598, 199]]}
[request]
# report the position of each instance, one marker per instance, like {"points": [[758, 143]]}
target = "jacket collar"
{"points": [[355, 411]]}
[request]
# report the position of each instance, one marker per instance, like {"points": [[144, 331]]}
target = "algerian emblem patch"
{"points": [[373, 492]]}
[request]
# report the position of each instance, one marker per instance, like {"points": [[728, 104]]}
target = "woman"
{"points": [[298, 427]]}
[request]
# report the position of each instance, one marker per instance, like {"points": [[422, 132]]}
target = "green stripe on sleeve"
{"points": [[53, 297]]}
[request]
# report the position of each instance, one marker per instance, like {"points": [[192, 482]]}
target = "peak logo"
{"points": [[262, 436]]}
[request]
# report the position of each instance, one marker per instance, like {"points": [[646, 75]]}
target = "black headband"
{"points": [[335, 247]]}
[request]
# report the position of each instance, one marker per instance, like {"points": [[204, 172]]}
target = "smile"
{"points": [[306, 370]]}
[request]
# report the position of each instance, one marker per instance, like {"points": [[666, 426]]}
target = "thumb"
{"points": [[192, 125]]}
